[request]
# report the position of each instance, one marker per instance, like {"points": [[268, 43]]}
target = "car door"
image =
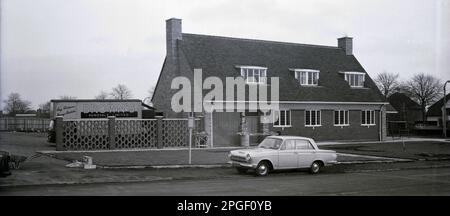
{"points": [[287, 155], [305, 153]]}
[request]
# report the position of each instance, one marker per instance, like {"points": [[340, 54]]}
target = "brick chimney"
{"points": [[173, 33], [346, 43]]}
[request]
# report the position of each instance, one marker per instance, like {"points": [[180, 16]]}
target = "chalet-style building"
{"points": [[325, 93]]}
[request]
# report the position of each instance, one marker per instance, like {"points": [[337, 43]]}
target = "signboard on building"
{"points": [[79, 109]]}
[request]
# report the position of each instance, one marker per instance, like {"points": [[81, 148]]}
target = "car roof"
{"points": [[290, 137]]}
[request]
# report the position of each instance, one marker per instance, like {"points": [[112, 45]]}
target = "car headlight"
{"points": [[248, 158]]}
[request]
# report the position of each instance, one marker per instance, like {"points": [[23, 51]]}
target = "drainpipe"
{"points": [[381, 123]]}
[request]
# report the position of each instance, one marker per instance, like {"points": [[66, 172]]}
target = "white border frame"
{"points": [[355, 73], [298, 70], [259, 68], [339, 117], [320, 123], [371, 119], [282, 126]]}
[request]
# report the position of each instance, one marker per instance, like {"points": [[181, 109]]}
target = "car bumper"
{"points": [[241, 164]]}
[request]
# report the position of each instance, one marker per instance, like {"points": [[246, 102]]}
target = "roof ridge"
{"points": [[264, 41]]}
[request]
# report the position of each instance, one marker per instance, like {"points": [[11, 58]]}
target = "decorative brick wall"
{"points": [[112, 133]]}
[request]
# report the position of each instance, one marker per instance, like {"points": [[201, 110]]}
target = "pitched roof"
{"points": [[219, 56], [435, 109], [401, 101], [390, 109]]}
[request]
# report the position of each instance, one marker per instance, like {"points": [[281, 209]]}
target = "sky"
{"points": [[51, 48]]}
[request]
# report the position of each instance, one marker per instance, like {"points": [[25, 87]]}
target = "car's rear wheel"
{"points": [[241, 170], [262, 169], [315, 167]]}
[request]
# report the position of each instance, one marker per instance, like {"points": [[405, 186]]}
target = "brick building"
{"points": [[325, 93], [434, 113], [407, 109]]}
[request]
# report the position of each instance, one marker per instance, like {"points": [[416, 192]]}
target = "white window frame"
{"points": [[278, 113], [368, 118], [339, 118], [261, 71], [318, 123], [356, 75], [308, 72]]}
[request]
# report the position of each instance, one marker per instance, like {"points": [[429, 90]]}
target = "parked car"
{"points": [[4, 164], [282, 152]]}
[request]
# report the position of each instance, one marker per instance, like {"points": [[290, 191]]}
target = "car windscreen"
{"points": [[270, 143]]}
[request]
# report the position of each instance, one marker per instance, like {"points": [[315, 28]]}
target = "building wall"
{"points": [[171, 69], [329, 132], [227, 125]]}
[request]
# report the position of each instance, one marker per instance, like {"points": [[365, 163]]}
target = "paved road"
{"points": [[402, 182]]}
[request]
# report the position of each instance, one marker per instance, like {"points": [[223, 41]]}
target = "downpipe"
{"points": [[380, 130]]}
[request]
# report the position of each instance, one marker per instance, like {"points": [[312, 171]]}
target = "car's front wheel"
{"points": [[262, 169], [315, 167]]}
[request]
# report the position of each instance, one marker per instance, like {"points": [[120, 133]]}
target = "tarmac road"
{"points": [[431, 181]]}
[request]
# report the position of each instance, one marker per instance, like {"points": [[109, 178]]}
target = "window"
{"points": [[341, 118], [288, 145], [303, 144], [368, 117], [254, 75], [307, 77], [282, 118], [355, 79], [312, 118]]}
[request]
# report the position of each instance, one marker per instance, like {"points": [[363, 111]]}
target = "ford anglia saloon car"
{"points": [[282, 152]]}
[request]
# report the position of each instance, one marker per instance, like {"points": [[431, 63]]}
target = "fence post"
{"points": [[58, 126], [159, 135], [112, 131]]}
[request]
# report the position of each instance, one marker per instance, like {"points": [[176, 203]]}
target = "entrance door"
{"points": [[226, 128]]}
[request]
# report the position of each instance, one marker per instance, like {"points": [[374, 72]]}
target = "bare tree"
{"points": [[44, 109], [102, 95], [16, 105], [387, 83], [121, 92], [148, 100], [67, 97], [424, 89]]}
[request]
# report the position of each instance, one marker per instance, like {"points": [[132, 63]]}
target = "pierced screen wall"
{"points": [[96, 134], [85, 135], [136, 134]]}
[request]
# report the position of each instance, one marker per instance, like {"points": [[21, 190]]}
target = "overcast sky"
{"points": [[51, 48]]}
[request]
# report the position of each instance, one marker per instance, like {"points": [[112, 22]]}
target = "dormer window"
{"points": [[254, 74], [355, 79], [307, 77]]}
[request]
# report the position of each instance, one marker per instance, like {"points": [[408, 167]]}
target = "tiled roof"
{"points": [[436, 108], [219, 56], [398, 100]]}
